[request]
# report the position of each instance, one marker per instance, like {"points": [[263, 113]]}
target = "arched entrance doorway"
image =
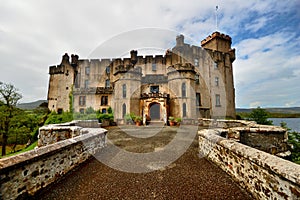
{"points": [[154, 111]]}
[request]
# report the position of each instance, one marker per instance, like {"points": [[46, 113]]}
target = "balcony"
{"points": [[154, 95]]}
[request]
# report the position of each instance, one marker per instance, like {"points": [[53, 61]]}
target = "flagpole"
{"points": [[217, 7]]}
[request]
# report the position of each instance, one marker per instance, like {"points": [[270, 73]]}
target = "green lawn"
{"points": [[19, 149]]}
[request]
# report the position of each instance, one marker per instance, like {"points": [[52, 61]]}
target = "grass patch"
{"points": [[19, 149]]}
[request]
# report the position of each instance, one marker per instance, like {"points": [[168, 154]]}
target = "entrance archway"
{"points": [[154, 111]]}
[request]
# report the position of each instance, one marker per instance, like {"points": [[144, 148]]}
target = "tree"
{"points": [[9, 98], [260, 116]]}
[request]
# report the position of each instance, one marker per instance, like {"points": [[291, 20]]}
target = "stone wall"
{"points": [[271, 139], [23, 175], [263, 175], [53, 133]]}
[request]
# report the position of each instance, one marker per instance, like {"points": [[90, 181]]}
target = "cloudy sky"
{"points": [[266, 34]]}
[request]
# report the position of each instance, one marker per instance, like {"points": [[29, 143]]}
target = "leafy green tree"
{"points": [[9, 98], [294, 139], [260, 116]]}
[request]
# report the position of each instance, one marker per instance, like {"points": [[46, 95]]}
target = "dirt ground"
{"points": [[189, 177]]}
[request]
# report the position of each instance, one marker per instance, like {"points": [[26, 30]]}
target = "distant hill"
{"points": [[31, 105], [290, 110]]}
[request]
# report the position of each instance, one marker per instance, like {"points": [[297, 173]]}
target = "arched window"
{"points": [[124, 90], [183, 110], [183, 89], [123, 110]]}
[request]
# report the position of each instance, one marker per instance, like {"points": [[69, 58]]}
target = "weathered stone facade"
{"points": [[187, 82]]}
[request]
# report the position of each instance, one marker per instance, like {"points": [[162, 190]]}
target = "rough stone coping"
{"points": [[242, 122], [60, 127], [75, 123], [281, 167], [32, 155], [268, 129], [249, 126]]}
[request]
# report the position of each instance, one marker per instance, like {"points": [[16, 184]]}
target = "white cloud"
{"points": [[34, 34]]}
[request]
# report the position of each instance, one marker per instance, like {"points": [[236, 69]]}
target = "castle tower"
{"points": [[181, 83], [222, 86], [127, 88], [60, 84]]}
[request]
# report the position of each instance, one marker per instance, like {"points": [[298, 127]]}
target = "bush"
{"points": [[294, 139], [54, 118], [129, 118], [102, 117], [260, 116]]}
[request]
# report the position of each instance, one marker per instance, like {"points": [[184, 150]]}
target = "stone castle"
{"points": [[187, 82]]}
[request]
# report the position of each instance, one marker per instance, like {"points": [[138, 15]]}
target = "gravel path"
{"points": [[189, 177]]}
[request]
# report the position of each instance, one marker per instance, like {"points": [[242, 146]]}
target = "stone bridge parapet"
{"points": [[264, 175], [21, 176]]}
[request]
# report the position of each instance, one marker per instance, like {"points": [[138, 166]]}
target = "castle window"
{"points": [[197, 79], [107, 83], [153, 66], [77, 81], [104, 100], [215, 65], [196, 62], [82, 100], [124, 90], [183, 89], [123, 110], [81, 110], [198, 99], [107, 70], [59, 111], [216, 81], [87, 70], [154, 89], [218, 100], [184, 110], [103, 110], [86, 84]]}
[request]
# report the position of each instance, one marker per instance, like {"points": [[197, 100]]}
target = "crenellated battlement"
{"points": [[59, 69], [217, 42], [216, 35]]}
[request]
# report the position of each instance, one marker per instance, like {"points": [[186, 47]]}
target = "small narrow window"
{"points": [[197, 79], [198, 99], [107, 83], [82, 100], [86, 84], [77, 81], [184, 110], [215, 65], [196, 62], [216, 81], [124, 90], [123, 110], [218, 100], [103, 110], [183, 89], [104, 100], [81, 110], [153, 66], [87, 70], [107, 70]]}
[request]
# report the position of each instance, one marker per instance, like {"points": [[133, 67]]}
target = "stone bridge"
{"points": [[213, 166]]}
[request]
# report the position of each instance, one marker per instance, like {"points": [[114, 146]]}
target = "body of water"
{"points": [[292, 123]]}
